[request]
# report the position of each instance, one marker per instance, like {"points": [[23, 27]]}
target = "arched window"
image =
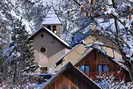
{"points": [[103, 68], [43, 50], [85, 68]]}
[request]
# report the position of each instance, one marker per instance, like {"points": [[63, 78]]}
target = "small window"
{"points": [[43, 50], [54, 29], [103, 68], [85, 68], [43, 69], [42, 35]]}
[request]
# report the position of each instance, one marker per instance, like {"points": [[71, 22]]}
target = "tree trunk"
{"points": [[15, 72], [130, 67]]}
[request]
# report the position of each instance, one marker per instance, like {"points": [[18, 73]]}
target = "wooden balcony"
{"points": [[117, 75]]}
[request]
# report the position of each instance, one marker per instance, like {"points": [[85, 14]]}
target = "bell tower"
{"points": [[52, 22]]}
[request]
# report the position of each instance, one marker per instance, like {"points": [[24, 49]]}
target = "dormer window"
{"points": [[43, 50], [54, 29]]}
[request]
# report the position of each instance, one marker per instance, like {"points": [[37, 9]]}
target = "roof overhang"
{"points": [[43, 29]]}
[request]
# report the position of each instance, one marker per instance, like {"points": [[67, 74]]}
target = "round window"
{"points": [[42, 35], [43, 50]]}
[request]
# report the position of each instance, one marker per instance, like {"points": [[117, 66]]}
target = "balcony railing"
{"points": [[117, 75]]}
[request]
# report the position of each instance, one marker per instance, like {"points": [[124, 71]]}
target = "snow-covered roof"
{"points": [[51, 18], [51, 33], [80, 51]]}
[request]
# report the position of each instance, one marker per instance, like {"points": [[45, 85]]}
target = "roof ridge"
{"points": [[61, 40], [52, 33]]}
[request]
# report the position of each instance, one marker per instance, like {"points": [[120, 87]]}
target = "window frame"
{"points": [[87, 68], [43, 50], [102, 69]]}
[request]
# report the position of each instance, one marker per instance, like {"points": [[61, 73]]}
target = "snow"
{"points": [[108, 82], [39, 86], [129, 22], [3, 16], [13, 1], [47, 2], [109, 25], [111, 11], [28, 25], [105, 24], [7, 51], [131, 0], [118, 60], [51, 18]]}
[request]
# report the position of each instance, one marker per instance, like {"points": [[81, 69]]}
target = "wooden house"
{"points": [[52, 22], [69, 77], [48, 47], [94, 61]]}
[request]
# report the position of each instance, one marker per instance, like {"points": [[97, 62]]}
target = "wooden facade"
{"points": [[96, 63], [107, 61], [71, 78]]}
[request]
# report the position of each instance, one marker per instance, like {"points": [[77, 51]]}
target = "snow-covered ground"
{"points": [[110, 83]]}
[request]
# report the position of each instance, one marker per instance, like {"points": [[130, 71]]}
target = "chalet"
{"points": [[52, 22], [96, 63], [96, 60], [69, 77], [48, 47]]}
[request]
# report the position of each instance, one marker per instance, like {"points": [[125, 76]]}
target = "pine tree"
{"points": [[1, 60], [22, 59]]}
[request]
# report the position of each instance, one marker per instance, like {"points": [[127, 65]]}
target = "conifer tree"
{"points": [[21, 60]]}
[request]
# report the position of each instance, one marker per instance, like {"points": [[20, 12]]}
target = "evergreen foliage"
{"points": [[20, 60]]}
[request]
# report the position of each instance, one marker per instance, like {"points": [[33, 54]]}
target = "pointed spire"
{"points": [[51, 18]]}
